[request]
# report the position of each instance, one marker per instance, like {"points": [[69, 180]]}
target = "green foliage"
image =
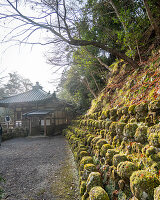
{"points": [[81, 83], [16, 84]]}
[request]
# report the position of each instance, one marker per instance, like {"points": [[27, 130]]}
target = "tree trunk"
{"points": [[89, 88], [151, 19], [118, 15], [95, 81], [112, 51]]}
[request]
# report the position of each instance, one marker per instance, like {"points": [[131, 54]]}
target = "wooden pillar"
{"points": [[30, 126], [45, 127], [15, 117]]}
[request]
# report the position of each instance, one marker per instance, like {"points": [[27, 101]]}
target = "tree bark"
{"points": [[95, 81], [118, 15], [89, 88], [115, 52], [151, 19]]}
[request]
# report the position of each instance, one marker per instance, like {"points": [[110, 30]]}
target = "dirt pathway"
{"points": [[38, 169]]}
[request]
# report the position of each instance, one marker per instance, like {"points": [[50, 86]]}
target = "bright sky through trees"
{"points": [[27, 60]]}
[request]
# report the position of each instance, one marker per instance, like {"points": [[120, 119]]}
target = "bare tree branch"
{"points": [[62, 29]]}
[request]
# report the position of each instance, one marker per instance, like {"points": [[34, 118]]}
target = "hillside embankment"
{"points": [[117, 143]]}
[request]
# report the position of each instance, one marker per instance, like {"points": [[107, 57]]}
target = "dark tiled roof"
{"points": [[36, 94], [38, 112]]}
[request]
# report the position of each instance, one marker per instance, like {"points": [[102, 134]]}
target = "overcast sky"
{"points": [[28, 61]]}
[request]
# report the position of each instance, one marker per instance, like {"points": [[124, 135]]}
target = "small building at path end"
{"points": [[39, 112]]}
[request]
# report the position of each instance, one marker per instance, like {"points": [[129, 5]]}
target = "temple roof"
{"points": [[36, 94], [37, 113]]}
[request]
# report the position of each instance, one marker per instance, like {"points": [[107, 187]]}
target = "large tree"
{"points": [[61, 18], [16, 84]]}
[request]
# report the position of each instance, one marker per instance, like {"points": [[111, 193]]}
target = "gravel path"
{"points": [[33, 166]]}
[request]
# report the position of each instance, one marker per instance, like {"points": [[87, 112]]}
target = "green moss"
{"points": [[154, 105], [93, 180], [150, 151], [95, 140], [119, 128], [124, 119], [129, 130], [104, 149], [119, 112], [85, 160], [119, 158], [125, 110], [155, 167], [103, 133], [137, 147], [107, 125], [142, 183], [132, 120], [88, 168], [109, 155], [98, 193], [82, 187], [154, 139], [157, 193], [100, 143], [90, 139], [100, 123], [141, 134], [83, 154], [156, 157], [116, 141], [105, 114], [131, 110], [113, 114], [143, 107], [112, 129], [141, 112], [125, 169], [62, 186]]}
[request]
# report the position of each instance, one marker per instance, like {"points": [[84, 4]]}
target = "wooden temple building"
{"points": [[38, 111]]}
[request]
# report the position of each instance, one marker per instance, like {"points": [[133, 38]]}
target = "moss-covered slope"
{"points": [[117, 143]]}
